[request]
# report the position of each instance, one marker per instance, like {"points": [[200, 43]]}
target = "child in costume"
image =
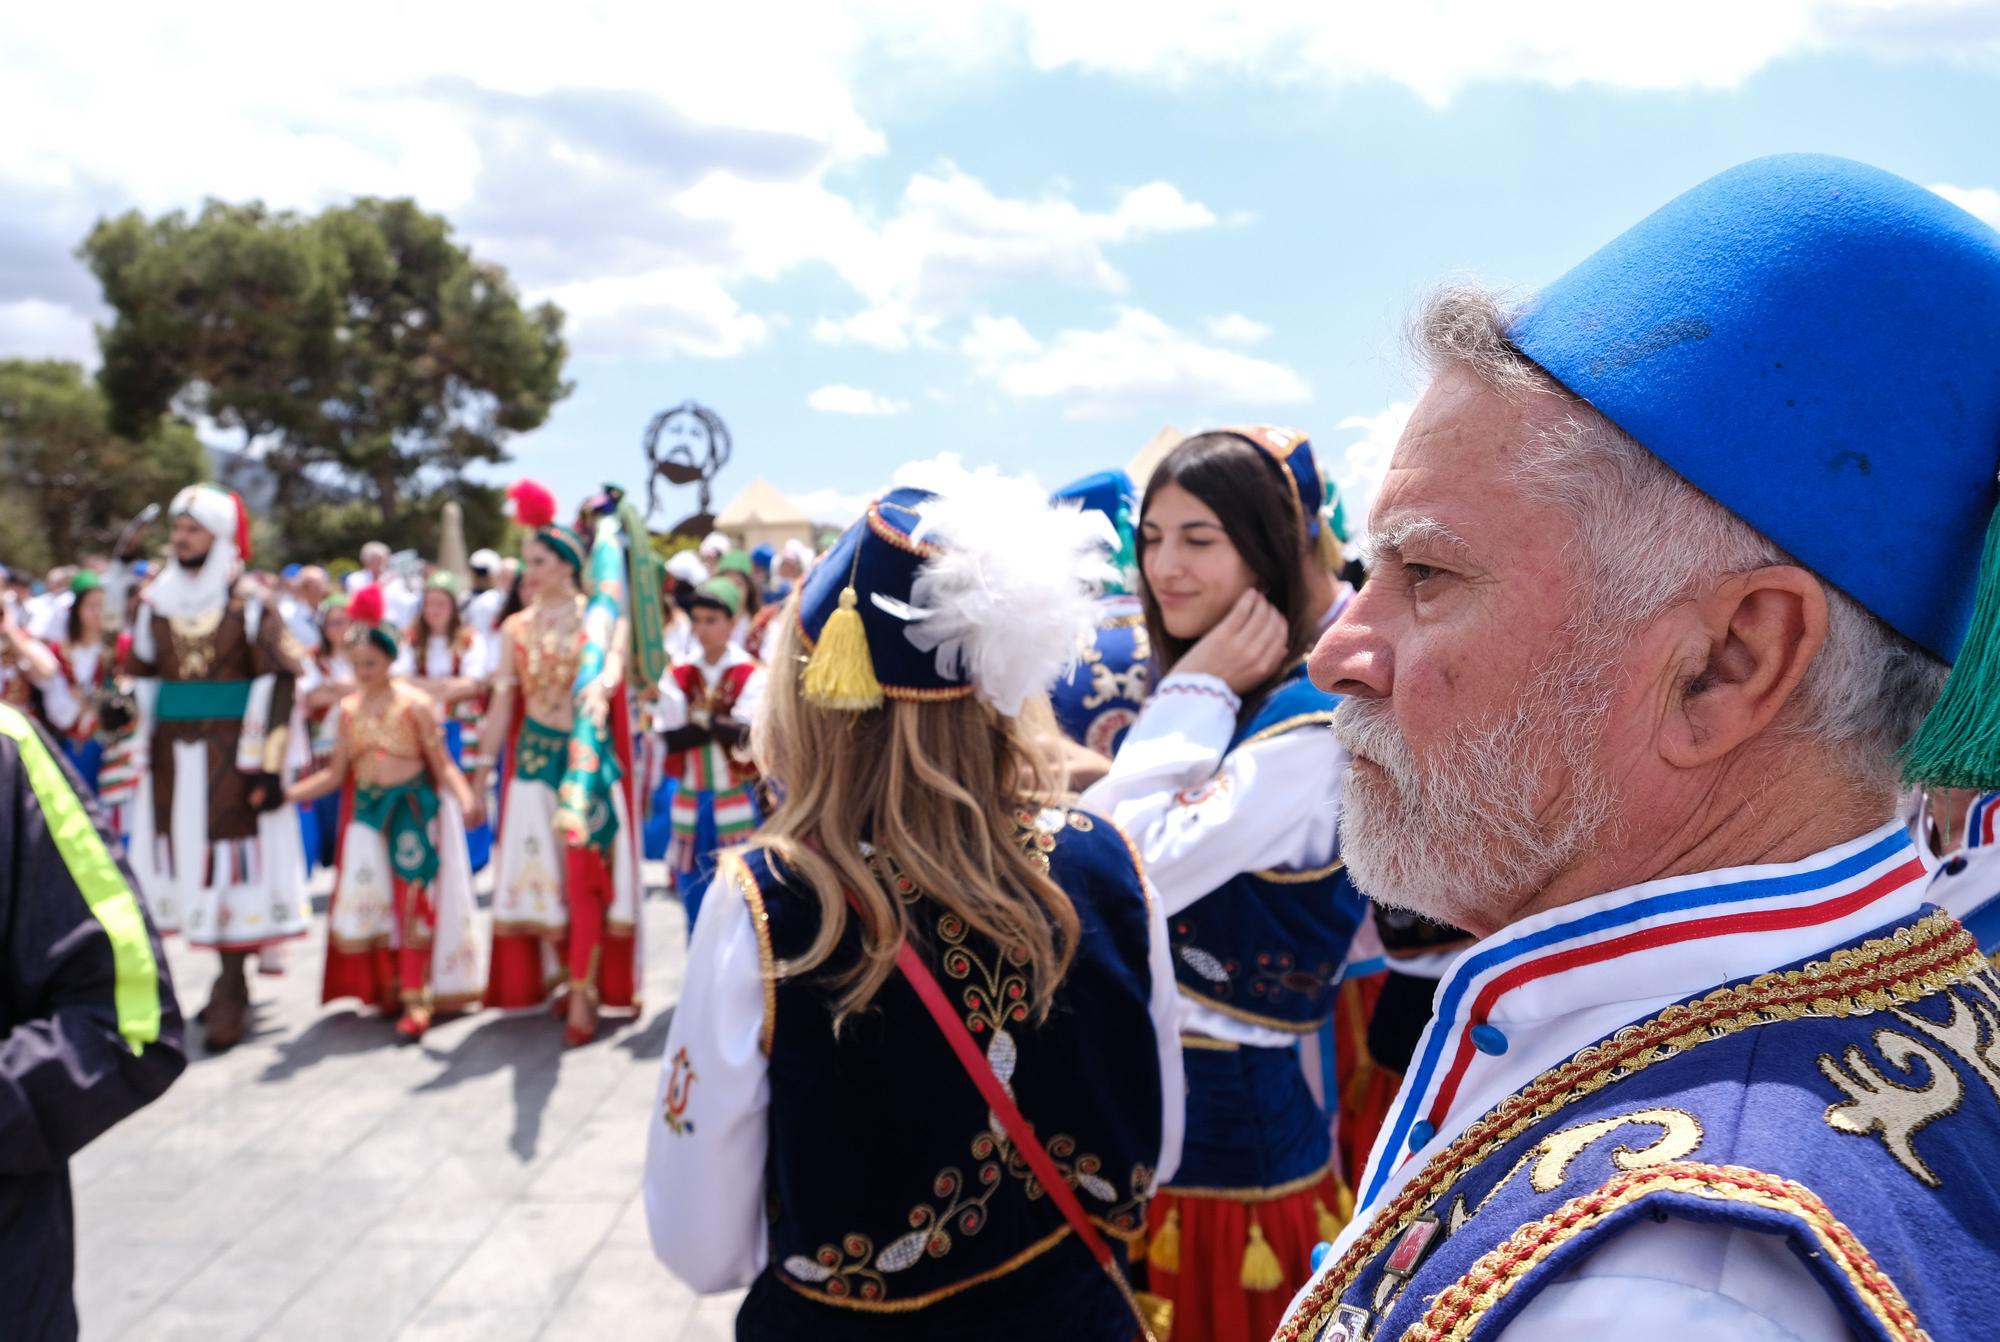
{"points": [[399, 928], [705, 709], [447, 659], [1229, 782], [817, 1139]]}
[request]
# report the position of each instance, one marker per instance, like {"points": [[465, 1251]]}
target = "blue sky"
{"points": [[1034, 236]]}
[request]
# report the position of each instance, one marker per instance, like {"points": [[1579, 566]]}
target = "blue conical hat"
{"points": [[1815, 344]]}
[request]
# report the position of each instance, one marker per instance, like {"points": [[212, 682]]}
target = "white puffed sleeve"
{"points": [[1201, 813], [670, 710], [752, 695], [705, 1154], [1667, 1281]]}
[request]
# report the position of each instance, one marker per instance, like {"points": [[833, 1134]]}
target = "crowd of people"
{"points": [[1569, 910]]}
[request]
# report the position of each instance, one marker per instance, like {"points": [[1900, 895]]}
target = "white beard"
{"points": [[180, 592], [1457, 838]]}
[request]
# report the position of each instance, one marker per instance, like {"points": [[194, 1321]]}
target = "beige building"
{"points": [[761, 515]]}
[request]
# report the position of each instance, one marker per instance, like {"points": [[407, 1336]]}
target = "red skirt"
{"points": [[1230, 1263], [593, 955]]}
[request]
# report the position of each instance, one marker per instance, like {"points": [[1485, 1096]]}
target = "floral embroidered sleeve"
{"points": [[707, 1137], [1200, 812]]}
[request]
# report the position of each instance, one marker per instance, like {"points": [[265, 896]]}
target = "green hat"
{"points": [[444, 580], [720, 592], [334, 601], [86, 581], [736, 561]]}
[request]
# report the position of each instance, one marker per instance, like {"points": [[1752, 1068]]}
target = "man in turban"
{"points": [[225, 666]]}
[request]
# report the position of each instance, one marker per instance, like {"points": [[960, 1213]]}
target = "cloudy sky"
{"points": [[1031, 233]]}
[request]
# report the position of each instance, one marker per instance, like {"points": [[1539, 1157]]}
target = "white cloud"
{"points": [[666, 312], [1137, 363], [1360, 465], [1237, 329], [1980, 201], [840, 399], [1437, 48], [832, 507], [628, 141], [952, 241], [33, 328]]}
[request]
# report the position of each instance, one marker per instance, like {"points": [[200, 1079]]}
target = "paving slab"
{"points": [[318, 1181]]}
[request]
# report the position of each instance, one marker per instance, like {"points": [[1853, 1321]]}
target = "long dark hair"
{"points": [[418, 635], [1252, 496]]}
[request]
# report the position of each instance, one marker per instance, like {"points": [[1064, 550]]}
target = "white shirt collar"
{"points": [[1537, 992]]}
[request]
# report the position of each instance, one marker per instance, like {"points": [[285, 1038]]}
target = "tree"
{"points": [[71, 481], [361, 353]]}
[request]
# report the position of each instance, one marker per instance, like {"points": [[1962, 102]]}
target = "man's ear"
{"points": [[1754, 636]]}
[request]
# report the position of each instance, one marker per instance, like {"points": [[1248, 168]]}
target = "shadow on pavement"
{"points": [[648, 1044], [328, 1037], [529, 1044]]}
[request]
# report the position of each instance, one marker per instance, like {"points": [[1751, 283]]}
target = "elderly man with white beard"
{"points": [[1669, 565]]}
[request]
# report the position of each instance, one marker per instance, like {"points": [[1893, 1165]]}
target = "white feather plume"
{"points": [[1011, 603]]}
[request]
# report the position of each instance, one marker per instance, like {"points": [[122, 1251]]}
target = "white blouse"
{"points": [[1201, 813]]}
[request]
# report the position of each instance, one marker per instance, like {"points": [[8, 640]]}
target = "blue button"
{"points": [[1419, 1134], [1319, 1253], [1489, 1039]]}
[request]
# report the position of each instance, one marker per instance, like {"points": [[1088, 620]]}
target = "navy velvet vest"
{"points": [[898, 1209], [1099, 700], [1267, 946], [1850, 1105]]}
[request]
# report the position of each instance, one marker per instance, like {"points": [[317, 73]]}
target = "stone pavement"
{"points": [[319, 1182]]}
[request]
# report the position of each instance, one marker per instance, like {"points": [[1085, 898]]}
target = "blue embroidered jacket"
{"points": [[1850, 1105], [1101, 697], [897, 1207], [1267, 946]]}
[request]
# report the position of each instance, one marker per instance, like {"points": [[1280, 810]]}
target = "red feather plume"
{"points": [[534, 505], [242, 527], [366, 606]]}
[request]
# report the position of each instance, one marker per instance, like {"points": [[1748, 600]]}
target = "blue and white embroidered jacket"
{"points": [[1783, 1161]]}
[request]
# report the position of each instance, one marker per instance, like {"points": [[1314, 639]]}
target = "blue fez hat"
{"points": [[1815, 344], [869, 575]]}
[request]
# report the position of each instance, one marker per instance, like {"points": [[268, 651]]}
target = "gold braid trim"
{"points": [[1910, 963], [1306, 877], [1315, 719], [737, 870], [1459, 1308]]}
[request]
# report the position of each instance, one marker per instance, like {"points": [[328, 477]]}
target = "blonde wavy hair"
{"points": [[936, 787]]}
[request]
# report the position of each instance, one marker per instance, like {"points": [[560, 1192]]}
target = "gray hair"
{"points": [[1648, 537]]}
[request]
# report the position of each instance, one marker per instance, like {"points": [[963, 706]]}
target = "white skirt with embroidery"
{"points": [[363, 915], [528, 882], [233, 894]]}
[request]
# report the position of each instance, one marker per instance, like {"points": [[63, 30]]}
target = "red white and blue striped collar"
{"points": [[1537, 987]]}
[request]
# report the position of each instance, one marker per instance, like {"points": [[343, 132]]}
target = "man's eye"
{"points": [[1419, 574]]}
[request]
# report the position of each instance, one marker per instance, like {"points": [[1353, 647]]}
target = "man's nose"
{"points": [[1352, 657]]}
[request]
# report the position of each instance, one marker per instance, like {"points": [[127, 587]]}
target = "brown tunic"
{"points": [[220, 651]]}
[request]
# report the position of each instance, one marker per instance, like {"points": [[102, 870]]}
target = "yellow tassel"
{"points": [[1165, 1253], [1329, 1224], [1261, 1270], [840, 673], [1345, 1205]]}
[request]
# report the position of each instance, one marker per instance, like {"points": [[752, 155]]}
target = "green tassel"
{"points": [[1959, 743]]}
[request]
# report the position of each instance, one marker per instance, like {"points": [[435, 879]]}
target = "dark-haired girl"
{"points": [[1229, 783]]}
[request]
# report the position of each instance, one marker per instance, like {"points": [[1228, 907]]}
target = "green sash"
{"points": [[403, 814], [202, 700], [539, 753]]}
